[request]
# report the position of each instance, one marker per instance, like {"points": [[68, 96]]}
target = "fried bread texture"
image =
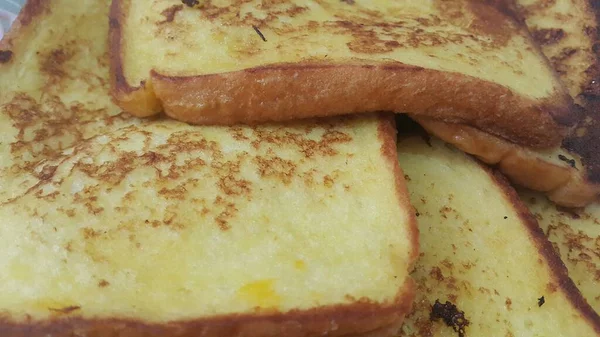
{"points": [[575, 234], [116, 226], [209, 62], [567, 31], [483, 256]]}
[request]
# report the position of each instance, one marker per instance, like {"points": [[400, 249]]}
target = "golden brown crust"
{"points": [[357, 318], [559, 272], [387, 134], [141, 100], [565, 185], [316, 89], [388, 331]]}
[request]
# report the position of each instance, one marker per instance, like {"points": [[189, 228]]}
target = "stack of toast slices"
{"points": [[187, 168]]}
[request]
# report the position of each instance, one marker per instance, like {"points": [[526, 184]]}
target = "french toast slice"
{"points": [[250, 61], [567, 31], [116, 226], [483, 252], [575, 234]]}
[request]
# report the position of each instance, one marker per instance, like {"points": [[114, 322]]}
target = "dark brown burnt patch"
{"points": [[451, 316], [5, 56], [547, 36], [170, 13], [585, 139]]}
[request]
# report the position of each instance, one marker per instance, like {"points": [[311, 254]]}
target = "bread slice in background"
{"points": [[459, 61], [483, 251], [113, 225], [575, 234], [567, 32]]}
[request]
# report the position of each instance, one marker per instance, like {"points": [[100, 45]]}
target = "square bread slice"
{"points": [[224, 62], [486, 267], [115, 226]]}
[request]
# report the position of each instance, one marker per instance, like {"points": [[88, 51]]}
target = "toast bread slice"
{"points": [[570, 174], [116, 226], [250, 61], [482, 250], [575, 234]]}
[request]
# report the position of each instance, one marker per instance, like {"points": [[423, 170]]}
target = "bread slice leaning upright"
{"points": [[255, 61], [127, 227]]}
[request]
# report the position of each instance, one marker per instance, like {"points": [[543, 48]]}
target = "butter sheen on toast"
{"points": [[482, 250], [116, 226], [567, 31], [253, 61]]}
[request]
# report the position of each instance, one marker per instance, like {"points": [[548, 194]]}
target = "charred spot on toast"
{"points": [[547, 36], [5, 56], [541, 301], [260, 34], [190, 3], [451, 316], [585, 139], [564, 158], [170, 13]]}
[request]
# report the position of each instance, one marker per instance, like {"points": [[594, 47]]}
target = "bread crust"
{"points": [[353, 319], [317, 90], [141, 100], [559, 271], [388, 133], [282, 92], [565, 185]]}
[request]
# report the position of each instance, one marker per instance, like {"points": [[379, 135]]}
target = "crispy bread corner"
{"points": [[139, 100]]}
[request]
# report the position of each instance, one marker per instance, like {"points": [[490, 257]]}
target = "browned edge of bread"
{"points": [[141, 101], [389, 149], [358, 317], [565, 185], [28, 13], [281, 92], [559, 272]]}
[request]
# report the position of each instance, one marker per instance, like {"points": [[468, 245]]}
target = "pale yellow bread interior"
{"points": [[575, 235], [482, 251], [566, 31], [116, 226], [299, 31]]}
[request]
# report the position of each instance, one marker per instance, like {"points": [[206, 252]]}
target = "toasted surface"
{"points": [[254, 61], [575, 235], [567, 31], [484, 252], [116, 226]]}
